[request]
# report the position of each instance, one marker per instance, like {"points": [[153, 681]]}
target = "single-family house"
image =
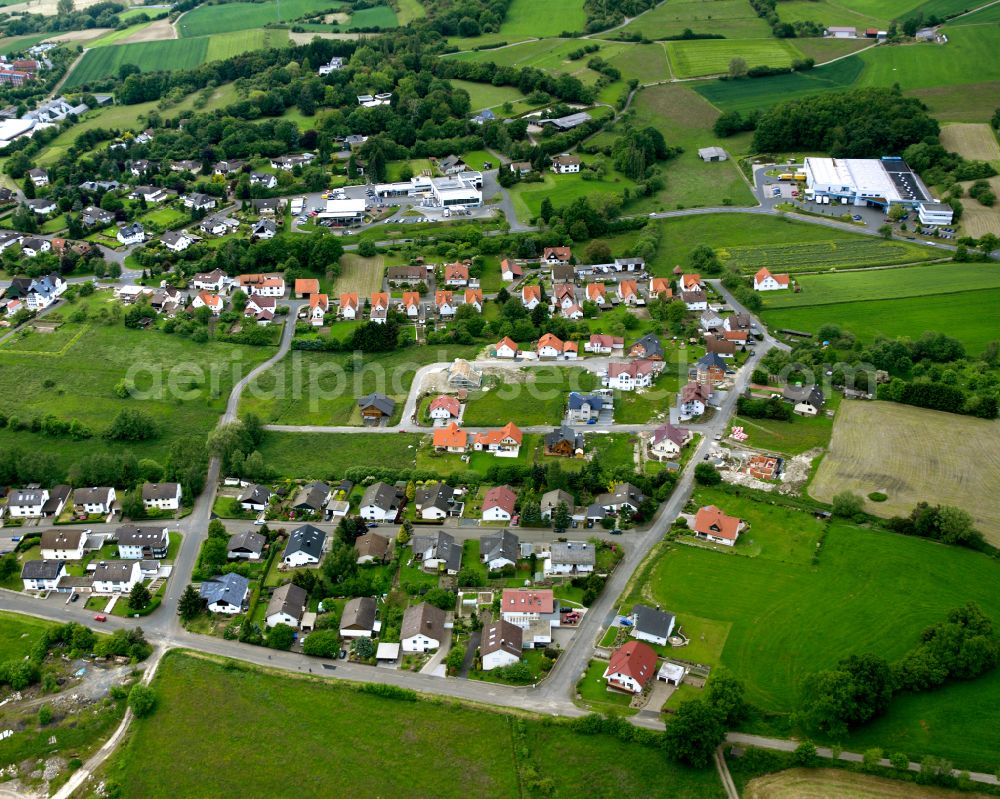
{"points": [[272, 285], [695, 300], [27, 503], [319, 307], [94, 501], [445, 408], [667, 441], [523, 606], [628, 292], [737, 321], [631, 667], [693, 398], [31, 246], [648, 348], [261, 308], [521, 168], [423, 628], [597, 293], [41, 205], [556, 255], [92, 216], [116, 576], [376, 407], [148, 194], [711, 524], [312, 498], [410, 304], [806, 400], [585, 408], [765, 281], [652, 624], [451, 438], [434, 501], [506, 348], [625, 496], [248, 545], [630, 375], [42, 575], [504, 443], [437, 552], [564, 442], [372, 548], [286, 606], [207, 299], [161, 496], [563, 295], [602, 344], [500, 644], [265, 179], [711, 367], [39, 177], [444, 304], [549, 346], [456, 275], [531, 296], [566, 164], [570, 558], [63, 544], [216, 280], [263, 229], [474, 297], [500, 549], [551, 500], [304, 547], [381, 502], [349, 306], [142, 543], [379, 308], [254, 497], [498, 504], [722, 347], [131, 234], [225, 593], [660, 287], [358, 618], [710, 320], [510, 270], [185, 165], [176, 241], [198, 202]]}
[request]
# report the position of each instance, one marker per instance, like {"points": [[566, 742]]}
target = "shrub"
{"points": [[142, 700], [878, 496]]}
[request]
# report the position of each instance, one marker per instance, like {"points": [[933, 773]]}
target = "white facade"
{"points": [[164, 503], [31, 508], [498, 659], [118, 584], [420, 643], [43, 583], [282, 618], [496, 514]]}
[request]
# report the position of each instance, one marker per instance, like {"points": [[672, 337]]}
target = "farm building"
{"points": [[713, 154]]}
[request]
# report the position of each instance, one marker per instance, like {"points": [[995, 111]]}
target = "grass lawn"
{"points": [[594, 693], [793, 437], [734, 19], [523, 21], [363, 275], [395, 168], [649, 405], [166, 54], [18, 634], [823, 50], [612, 450], [549, 55], [328, 455], [690, 59], [882, 446], [541, 399], [782, 628], [442, 749], [685, 119], [958, 315], [323, 388], [486, 95], [775, 531], [563, 190], [916, 281], [180, 383], [477, 158]]}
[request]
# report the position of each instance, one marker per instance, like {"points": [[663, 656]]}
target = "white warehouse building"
{"points": [[465, 189], [880, 182]]}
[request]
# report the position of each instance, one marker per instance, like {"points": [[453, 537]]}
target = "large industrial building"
{"points": [[464, 189], [879, 182], [343, 213]]}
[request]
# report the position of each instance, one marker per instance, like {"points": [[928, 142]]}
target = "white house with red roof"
{"points": [[631, 667], [531, 296], [629, 376], [456, 275], [711, 524], [660, 285], [691, 282], [765, 281], [506, 348], [206, 299], [510, 270], [527, 606], [444, 408], [596, 292], [349, 305], [628, 292], [666, 442], [498, 504], [556, 255], [503, 443], [604, 344], [319, 307]]}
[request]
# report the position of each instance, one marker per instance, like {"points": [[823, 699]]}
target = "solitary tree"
{"points": [[142, 700], [561, 518], [189, 605], [847, 504], [694, 733], [737, 67], [139, 597]]}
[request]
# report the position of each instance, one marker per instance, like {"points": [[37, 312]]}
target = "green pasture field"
{"points": [[691, 59], [115, 36], [734, 19], [486, 95], [856, 13], [789, 620], [983, 16], [685, 119], [316, 389], [78, 382], [762, 93], [442, 750], [823, 50], [103, 62], [562, 190], [18, 634], [523, 21], [550, 55], [541, 399], [969, 57], [644, 62], [799, 256], [328, 455], [9, 45], [206, 20], [374, 17], [776, 532], [226, 45], [959, 315], [884, 284], [409, 10]]}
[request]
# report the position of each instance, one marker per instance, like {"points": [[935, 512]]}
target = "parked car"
{"points": [[73, 597], [100, 617]]}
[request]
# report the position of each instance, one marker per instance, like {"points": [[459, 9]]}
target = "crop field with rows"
{"points": [[821, 255]]}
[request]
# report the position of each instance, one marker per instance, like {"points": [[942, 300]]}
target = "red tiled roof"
{"points": [[712, 521], [500, 497], [526, 600], [450, 404], [450, 436], [636, 660]]}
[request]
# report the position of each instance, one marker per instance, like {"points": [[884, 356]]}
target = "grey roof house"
{"points": [[305, 546]]}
